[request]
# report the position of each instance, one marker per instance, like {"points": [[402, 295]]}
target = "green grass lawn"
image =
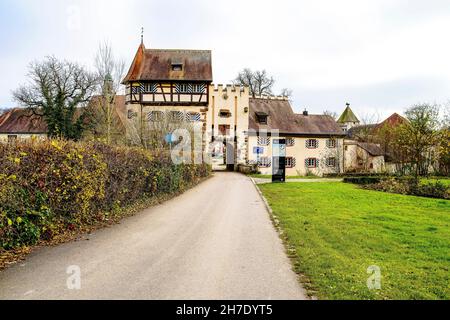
{"points": [[339, 230]]}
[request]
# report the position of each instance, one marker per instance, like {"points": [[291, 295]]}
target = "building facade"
{"points": [[314, 143]]}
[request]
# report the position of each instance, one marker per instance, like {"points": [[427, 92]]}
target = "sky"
{"points": [[381, 56]]}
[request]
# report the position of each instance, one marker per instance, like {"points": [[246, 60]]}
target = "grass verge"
{"points": [[336, 231]]}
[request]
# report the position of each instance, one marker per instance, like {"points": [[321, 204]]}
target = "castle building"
{"points": [[236, 129]]}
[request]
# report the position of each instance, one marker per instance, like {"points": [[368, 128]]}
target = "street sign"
{"points": [[258, 150], [279, 160]]}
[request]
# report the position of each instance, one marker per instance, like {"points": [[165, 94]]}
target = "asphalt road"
{"points": [[216, 241]]}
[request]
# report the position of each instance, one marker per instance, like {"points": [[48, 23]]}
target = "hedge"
{"points": [[363, 180], [48, 187]]}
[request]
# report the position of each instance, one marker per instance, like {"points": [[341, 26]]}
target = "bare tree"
{"points": [[332, 114], [288, 93], [55, 91], [258, 82], [103, 114]]}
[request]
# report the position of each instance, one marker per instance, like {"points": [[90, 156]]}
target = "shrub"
{"points": [[362, 180], [48, 187], [409, 186]]}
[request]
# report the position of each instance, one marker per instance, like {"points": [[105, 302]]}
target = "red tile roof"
{"points": [[156, 65], [282, 117], [22, 121]]}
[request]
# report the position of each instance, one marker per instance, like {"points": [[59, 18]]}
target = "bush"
{"points": [[362, 180], [48, 187], [409, 186]]}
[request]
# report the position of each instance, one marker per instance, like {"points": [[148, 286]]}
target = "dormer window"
{"points": [[261, 117], [177, 67], [225, 113]]}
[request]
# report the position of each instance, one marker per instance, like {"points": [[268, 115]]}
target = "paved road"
{"points": [[216, 241]]}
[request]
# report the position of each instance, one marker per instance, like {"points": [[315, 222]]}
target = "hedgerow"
{"points": [[48, 187]]}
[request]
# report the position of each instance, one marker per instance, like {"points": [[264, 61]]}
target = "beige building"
{"points": [[314, 143], [20, 124], [363, 157]]}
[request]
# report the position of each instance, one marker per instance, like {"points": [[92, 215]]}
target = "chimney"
{"points": [[348, 105], [305, 113]]}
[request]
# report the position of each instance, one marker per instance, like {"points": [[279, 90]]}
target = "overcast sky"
{"points": [[380, 56]]}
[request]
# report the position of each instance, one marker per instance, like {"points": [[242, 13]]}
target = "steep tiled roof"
{"points": [[372, 148], [393, 121], [156, 64], [348, 116], [21, 120], [281, 117]]}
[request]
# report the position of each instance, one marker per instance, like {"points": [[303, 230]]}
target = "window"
{"points": [[198, 88], [177, 67], [290, 142], [312, 143], [193, 116], [290, 162], [149, 88], [331, 162], [224, 129], [371, 166], [261, 117], [331, 143], [264, 162], [183, 88], [155, 116], [176, 116], [263, 141], [136, 89], [132, 114], [224, 113], [12, 138], [311, 163]]}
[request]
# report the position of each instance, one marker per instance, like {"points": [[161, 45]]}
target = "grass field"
{"points": [[339, 230]]}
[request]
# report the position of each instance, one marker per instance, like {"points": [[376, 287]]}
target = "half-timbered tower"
{"points": [[171, 83]]}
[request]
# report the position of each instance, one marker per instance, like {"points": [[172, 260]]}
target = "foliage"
{"points": [[418, 138], [338, 230], [48, 187], [409, 186], [102, 114], [55, 92], [362, 180]]}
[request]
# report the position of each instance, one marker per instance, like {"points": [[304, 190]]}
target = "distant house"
{"points": [[314, 143], [19, 124], [22, 124], [366, 145], [363, 157]]}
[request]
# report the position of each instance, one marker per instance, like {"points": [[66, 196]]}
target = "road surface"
{"points": [[215, 241]]}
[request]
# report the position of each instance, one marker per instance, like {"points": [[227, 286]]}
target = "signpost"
{"points": [[279, 160]]}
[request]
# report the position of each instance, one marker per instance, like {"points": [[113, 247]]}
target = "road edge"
{"points": [[290, 251]]}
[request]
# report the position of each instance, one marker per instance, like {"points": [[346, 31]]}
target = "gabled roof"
{"points": [[281, 117], [348, 116], [21, 121], [393, 121], [156, 65], [372, 148]]}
